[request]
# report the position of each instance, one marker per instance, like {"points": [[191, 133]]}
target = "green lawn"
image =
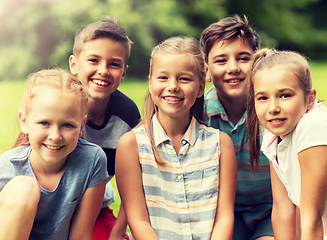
{"points": [[11, 95]]}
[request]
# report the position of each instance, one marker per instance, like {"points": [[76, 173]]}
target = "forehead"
{"points": [[276, 77], [106, 47], [232, 45], [170, 62]]}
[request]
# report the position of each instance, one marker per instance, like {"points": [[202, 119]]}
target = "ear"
{"points": [[82, 126], [201, 89], [72, 64], [22, 121], [149, 78], [208, 78], [124, 73], [311, 99]]}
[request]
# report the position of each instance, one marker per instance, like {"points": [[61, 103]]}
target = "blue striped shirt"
{"points": [[253, 192], [181, 195]]}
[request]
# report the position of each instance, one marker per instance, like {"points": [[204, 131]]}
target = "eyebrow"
{"points": [[98, 56], [280, 91], [240, 53]]}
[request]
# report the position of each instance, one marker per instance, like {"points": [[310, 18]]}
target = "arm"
{"points": [[313, 165], [129, 182], [224, 221], [87, 212], [119, 229], [283, 214]]}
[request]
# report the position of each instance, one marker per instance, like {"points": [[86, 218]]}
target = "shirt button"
{"points": [[179, 177], [183, 142]]}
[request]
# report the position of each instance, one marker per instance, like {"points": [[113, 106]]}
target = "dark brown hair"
{"points": [[225, 29]]}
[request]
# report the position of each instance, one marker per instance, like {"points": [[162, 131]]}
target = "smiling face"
{"points": [[228, 65], [174, 85], [100, 66], [279, 99], [54, 122]]}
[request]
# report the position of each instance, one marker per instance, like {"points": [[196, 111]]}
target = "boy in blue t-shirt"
{"points": [[100, 54], [228, 46]]}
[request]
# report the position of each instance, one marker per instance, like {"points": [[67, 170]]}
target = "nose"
{"points": [[103, 69], [55, 134], [173, 85], [233, 67], [274, 107]]}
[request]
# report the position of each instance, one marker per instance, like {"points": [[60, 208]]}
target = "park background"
{"points": [[37, 34]]}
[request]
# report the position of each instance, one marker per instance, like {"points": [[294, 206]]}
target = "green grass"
{"points": [[11, 95]]}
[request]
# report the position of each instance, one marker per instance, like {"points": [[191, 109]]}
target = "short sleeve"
{"points": [[311, 130], [100, 168]]}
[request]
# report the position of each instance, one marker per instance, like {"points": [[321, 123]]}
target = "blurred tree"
{"points": [[38, 34]]}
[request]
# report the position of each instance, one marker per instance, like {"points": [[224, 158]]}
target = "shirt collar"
{"points": [[160, 136], [215, 107]]}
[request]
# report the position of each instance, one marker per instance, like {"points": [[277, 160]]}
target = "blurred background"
{"points": [[36, 34]]}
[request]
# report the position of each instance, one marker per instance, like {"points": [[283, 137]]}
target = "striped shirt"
{"points": [[253, 192], [181, 195]]}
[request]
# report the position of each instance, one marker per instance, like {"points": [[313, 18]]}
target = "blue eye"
{"points": [[44, 123], [68, 125]]}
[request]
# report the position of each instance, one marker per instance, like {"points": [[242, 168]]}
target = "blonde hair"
{"points": [[174, 45], [53, 78], [105, 28], [268, 58]]}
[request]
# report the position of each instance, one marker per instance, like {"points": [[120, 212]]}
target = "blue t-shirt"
{"points": [[85, 169]]}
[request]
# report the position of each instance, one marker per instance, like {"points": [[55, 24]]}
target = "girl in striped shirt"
{"points": [[177, 177]]}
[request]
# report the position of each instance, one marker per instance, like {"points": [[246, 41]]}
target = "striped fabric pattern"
{"points": [[181, 195], [253, 192]]}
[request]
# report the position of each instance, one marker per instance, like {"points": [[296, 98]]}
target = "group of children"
{"points": [[195, 167]]}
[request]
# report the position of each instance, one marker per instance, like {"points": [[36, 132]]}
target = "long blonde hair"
{"points": [[268, 58], [177, 46], [54, 78]]}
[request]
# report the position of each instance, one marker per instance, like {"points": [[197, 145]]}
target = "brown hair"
{"points": [[225, 29], [105, 28], [268, 58], [54, 78], [174, 45]]}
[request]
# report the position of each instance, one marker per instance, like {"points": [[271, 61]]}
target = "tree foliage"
{"points": [[37, 34]]}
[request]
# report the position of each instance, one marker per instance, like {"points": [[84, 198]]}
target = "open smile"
{"points": [[52, 147], [173, 100], [100, 82], [235, 80], [277, 121]]}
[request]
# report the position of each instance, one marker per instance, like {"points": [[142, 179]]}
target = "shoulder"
{"points": [[127, 140], [16, 154], [89, 149], [314, 121], [124, 107], [311, 130], [120, 98]]}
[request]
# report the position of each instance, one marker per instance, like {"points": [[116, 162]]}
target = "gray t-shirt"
{"points": [[86, 168]]}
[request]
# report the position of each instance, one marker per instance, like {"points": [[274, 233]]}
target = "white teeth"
{"points": [[52, 147], [99, 82], [234, 81], [172, 99]]}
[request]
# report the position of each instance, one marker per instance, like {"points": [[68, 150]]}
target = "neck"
{"points": [[97, 110], [234, 108], [175, 128]]}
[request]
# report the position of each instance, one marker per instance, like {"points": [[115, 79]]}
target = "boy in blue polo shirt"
{"points": [[228, 46]]}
